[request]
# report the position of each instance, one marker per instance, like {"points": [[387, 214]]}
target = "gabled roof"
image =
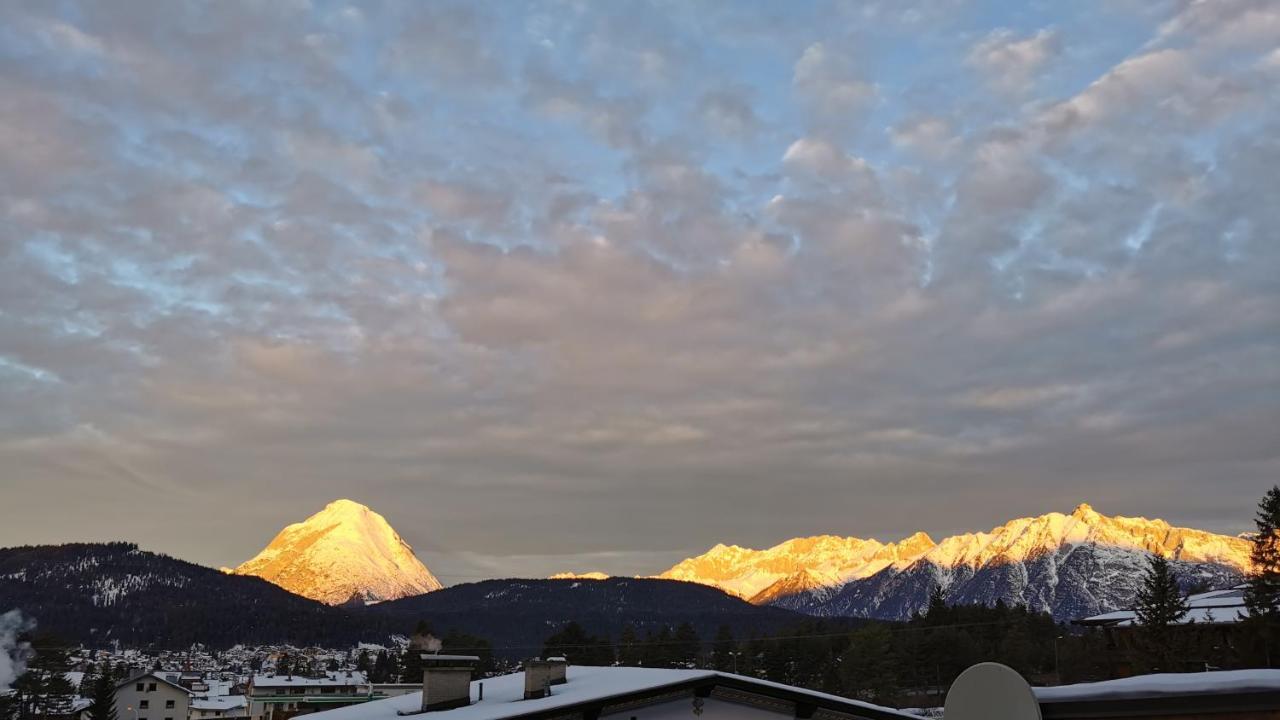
{"points": [[591, 689], [152, 675]]}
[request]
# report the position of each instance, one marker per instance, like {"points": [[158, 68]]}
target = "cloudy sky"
{"points": [[596, 285]]}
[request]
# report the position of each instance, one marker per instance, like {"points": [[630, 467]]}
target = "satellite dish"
{"points": [[991, 691]]}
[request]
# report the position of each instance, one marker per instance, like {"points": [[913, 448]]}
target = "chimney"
{"points": [[446, 681], [540, 675]]}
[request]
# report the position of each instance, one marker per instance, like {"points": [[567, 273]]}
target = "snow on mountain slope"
{"points": [[344, 552], [592, 575], [1070, 565], [825, 559]]}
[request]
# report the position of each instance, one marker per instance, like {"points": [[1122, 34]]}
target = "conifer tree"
{"points": [[1160, 605], [723, 649], [1262, 595], [868, 665], [104, 695], [687, 644], [630, 653], [44, 689]]}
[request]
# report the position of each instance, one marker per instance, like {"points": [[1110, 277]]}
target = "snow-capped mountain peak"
{"points": [[1066, 563], [343, 553]]}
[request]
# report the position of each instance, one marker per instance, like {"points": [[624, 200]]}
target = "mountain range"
{"points": [[344, 575], [100, 593], [1069, 565]]}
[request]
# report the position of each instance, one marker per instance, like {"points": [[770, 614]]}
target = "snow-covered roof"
{"points": [[151, 676], [331, 679], [1217, 606], [504, 695], [1222, 682], [219, 702]]}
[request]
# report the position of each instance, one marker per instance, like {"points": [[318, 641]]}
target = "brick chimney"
{"points": [[540, 675], [446, 681]]}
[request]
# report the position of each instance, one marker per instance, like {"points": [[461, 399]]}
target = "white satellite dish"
{"points": [[991, 691]]}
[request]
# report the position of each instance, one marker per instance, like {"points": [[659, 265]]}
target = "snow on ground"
{"points": [[1225, 681]]}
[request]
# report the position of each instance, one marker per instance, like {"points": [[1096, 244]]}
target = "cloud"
{"points": [[833, 88], [572, 259], [1011, 62]]}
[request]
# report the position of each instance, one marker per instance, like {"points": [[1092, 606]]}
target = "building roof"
{"points": [[153, 676], [1211, 608], [219, 702], [1162, 684], [589, 687], [331, 679], [1166, 694]]}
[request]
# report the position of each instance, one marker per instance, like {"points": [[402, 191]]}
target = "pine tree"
{"points": [[723, 650], [1262, 596], [687, 645], [104, 695], [868, 665], [44, 689], [630, 653], [1160, 605], [1262, 593], [1160, 602]]}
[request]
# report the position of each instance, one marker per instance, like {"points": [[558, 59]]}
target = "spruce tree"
{"points": [[44, 689], [723, 649], [1160, 605], [630, 653], [1262, 595], [104, 695], [1262, 592], [1160, 602], [687, 645]]}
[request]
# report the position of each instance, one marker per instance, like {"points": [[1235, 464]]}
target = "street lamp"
{"points": [[1057, 668]]}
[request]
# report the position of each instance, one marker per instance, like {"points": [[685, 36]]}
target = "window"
{"points": [[139, 687], [168, 704], [144, 704], [151, 687]]}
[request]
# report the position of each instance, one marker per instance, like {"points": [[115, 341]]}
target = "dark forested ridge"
{"points": [[96, 593], [518, 614]]}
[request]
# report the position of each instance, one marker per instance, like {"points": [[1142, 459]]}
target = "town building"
{"points": [[152, 696], [280, 697], [219, 707]]}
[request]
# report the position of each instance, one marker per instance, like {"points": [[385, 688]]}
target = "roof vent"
{"points": [[540, 675], [446, 681]]}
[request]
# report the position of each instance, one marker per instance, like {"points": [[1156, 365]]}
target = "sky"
{"points": [[596, 285]]}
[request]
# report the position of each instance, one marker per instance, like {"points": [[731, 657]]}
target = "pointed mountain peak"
{"points": [[346, 550], [919, 540], [1085, 512]]}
